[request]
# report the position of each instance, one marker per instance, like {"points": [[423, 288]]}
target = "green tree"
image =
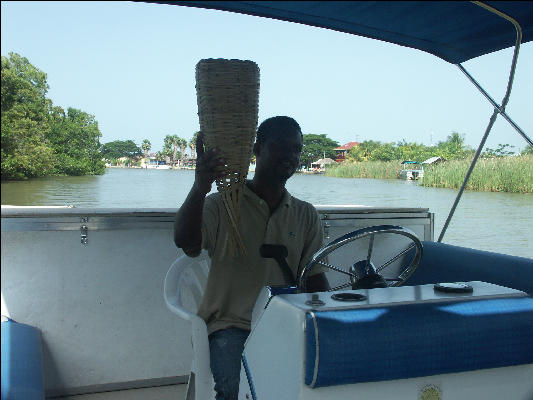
{"points": [[120, 148], [501, 151], [171, 144], [315, 147], [146, 146], [412, 151], [363, 152], [527, 150], [75, 139], [37, 138], [160, 156], [453, 148], [182, 143], [24, 122], [385, 152], [192, 143]]}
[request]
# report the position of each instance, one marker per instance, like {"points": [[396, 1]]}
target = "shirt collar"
{"points": [[285, 200]]}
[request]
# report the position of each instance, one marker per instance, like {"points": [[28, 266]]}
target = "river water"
{"points": [[501, 222]]}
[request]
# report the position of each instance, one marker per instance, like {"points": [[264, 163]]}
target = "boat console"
{"points": [[447, 340]]}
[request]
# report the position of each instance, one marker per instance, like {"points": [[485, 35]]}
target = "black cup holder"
{"points": [[348, 297]]}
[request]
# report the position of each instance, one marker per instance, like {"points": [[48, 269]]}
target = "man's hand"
{"points": [[209, 166]]}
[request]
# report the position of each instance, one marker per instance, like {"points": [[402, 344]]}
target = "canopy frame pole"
{"points": [[501, 111], [497, 109]]}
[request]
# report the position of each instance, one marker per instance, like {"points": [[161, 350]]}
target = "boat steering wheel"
{"points": [[364, 269]]}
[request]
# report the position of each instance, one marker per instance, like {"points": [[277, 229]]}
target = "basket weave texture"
{"points": [[227, 93]]}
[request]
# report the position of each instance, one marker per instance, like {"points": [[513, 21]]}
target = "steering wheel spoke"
{"points": [[369, 254], [334, 268], [396, 257]]}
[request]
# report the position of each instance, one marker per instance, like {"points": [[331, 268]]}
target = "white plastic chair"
{"points": [[183, 290]]}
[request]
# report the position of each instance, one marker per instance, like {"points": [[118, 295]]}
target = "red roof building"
{"points": [[343, 150]]}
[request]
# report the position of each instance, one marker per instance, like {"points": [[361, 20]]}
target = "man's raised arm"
{"points": [[188, 221]]}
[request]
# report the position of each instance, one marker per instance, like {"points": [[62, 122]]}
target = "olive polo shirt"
{"points": [[235, 280]]}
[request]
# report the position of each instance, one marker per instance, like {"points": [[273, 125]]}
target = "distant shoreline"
{"points": [[498, 174]]}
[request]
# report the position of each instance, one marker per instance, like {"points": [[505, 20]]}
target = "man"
{"points": [[268, 215]]}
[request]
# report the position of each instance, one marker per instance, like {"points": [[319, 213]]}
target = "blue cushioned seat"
{"points": [[22, 362], [447, 263], [413, 340]]}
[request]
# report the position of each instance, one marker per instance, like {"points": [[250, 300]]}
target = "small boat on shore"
{"points": [[413, 170], [158, 166]]}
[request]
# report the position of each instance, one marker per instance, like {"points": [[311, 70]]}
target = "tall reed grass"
{"points": [[365, 169], [499, 174]]}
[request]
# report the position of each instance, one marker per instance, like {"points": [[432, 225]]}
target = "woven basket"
{"points": [[227, 92]]}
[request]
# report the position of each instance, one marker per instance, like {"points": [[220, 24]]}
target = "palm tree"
{"points": [[192, 144], [160, 156], [146, 146], [171, 144], [182, 143]]}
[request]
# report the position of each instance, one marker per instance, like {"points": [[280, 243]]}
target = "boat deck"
{"points": [[168, 392]]}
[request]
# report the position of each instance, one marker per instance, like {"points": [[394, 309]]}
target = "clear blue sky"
{"points": [[132, 66]]}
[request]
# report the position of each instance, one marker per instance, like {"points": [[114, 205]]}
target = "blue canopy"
{"points": [[455, 31]]}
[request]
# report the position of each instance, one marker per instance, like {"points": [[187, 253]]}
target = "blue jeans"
{"points": [[226, 346]]}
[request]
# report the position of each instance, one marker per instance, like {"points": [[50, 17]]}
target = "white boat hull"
{"points": [[410, 174], [157, 166], [99, 305]]}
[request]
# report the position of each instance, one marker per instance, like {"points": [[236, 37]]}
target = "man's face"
{"points": [[279, 155]]}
